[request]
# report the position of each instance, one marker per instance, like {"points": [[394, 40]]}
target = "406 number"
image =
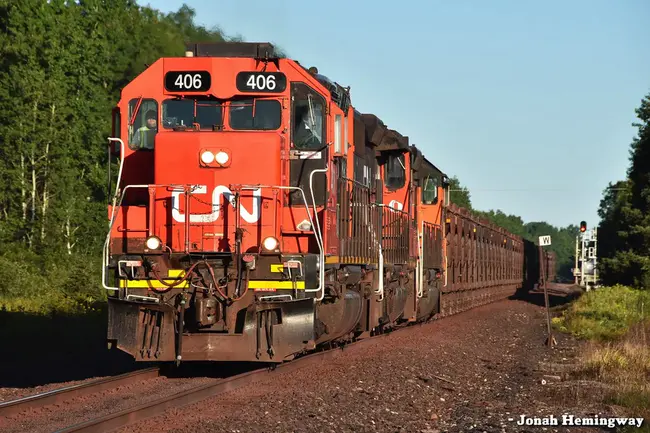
{"points": [[188, 81], [272, 82]]}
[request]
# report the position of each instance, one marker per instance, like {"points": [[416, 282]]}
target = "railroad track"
{"points": [[62, 394], [123, 418], [157, 407]]}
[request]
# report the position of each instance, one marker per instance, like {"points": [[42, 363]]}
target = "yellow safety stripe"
{"points": [[146, 284], [265, 284], [175, 274]]}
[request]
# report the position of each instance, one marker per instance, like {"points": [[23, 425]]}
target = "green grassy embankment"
{"points": [[616, 323], [54, 285]]}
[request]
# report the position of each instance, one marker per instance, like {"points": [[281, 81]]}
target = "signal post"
{"points": [[545, 241], [586, 258]]}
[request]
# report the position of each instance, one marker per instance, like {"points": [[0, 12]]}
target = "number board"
{"points": [[188, 81], [262, 82]]}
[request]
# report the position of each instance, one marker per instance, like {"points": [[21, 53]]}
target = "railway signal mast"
{"points": [[585, 270]]}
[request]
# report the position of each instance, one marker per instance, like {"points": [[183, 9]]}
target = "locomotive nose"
{"points": [[222, 171]]}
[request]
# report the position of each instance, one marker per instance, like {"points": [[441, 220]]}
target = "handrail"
{"points": [[117, 205], [113, 211], [321, 280], [420, 263], [321, 273]]}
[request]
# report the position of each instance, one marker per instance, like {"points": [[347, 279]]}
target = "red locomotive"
{"points": [[258, 215]]}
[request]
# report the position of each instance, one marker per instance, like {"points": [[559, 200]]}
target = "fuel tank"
{"points": [[338, 318]]}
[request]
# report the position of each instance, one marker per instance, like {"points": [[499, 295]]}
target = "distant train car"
{"points": [[258, 215]]}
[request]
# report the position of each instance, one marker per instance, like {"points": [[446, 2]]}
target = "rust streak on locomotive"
{"points": [[257, 215]]}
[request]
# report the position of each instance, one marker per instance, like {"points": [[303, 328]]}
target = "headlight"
{"points": [[153, 242], [221, 158], [207, 157], [270, 243]]}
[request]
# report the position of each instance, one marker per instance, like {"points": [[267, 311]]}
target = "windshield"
{"points": [[251, 114], [244, 114], [177, 113]]}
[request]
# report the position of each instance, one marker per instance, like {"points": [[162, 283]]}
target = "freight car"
{"points": [[257, 215]]}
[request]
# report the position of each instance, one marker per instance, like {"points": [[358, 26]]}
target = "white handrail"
{"points": [[113, 212], [420, 270], [321, 273], [321, 254], [105, 254]]}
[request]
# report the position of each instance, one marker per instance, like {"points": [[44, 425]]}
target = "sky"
{"points": [[530, 104]]}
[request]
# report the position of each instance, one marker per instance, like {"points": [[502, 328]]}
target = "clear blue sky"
{"points": [[529, 103]]}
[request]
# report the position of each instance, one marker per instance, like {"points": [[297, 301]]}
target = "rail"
{"points": [[59, 395], [162, 405], [187, 190], [358, 219], [432, 245], [113, 209], [396, 234], [316, 228], [106, 253]]}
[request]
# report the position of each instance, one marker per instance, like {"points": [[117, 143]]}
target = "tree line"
{"points": [[624, 229], [62, 65]]}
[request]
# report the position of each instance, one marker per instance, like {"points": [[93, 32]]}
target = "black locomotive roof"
{"points": [[257, 50]]}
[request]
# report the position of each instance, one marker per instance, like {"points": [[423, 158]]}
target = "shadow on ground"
{"points": [[558, 295], [48, 349], [39, 350]]}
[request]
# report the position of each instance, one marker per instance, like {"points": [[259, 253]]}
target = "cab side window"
{"points": [[430, 190], [145, 124], [395, 171], [308, 117]]}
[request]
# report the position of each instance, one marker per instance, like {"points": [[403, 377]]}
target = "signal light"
{"points": [[583, 226]]}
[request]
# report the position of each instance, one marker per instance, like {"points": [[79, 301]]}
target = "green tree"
{"points": [[625, 214], [62, 66], [612, 234], [458, 194]]}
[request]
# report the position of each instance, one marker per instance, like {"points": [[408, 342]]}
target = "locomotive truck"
{"points": [[257, 215]]}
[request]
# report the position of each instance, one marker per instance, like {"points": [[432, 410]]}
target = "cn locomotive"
{"points": [[257, 215]]}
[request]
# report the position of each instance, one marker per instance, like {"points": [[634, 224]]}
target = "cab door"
{"points": [[308, 144]]}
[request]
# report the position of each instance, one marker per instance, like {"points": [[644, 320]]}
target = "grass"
{"points": [[616, 322], [605, 314], [50, 304], [47, 285]]}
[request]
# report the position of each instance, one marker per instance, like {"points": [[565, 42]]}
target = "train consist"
{"points": [[257, 216]]}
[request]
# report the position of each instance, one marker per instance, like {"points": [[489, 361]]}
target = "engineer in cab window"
{"points": [[143, 137], [308, 126]]}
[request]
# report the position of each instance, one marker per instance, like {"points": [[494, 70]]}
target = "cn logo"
{"points": [[396, 205], [250, 217]]}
